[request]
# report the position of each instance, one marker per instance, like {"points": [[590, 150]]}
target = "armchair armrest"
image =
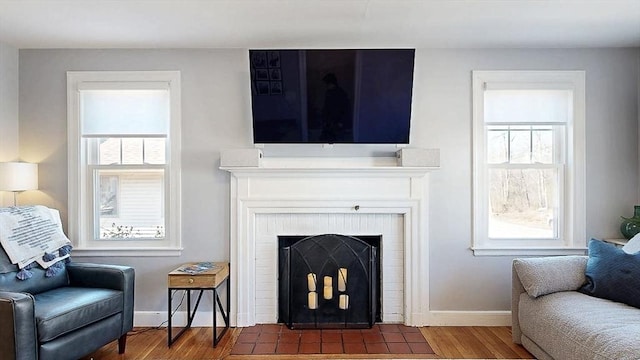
{"points": [[110, 277], [18, 328], [114, 277]]}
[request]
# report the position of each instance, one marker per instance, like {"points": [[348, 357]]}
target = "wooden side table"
{"points": [[199, 276]]}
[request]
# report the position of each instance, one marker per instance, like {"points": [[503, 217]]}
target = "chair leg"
{"points": [[122, 343]]}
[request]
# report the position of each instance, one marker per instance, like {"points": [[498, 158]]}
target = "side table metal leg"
{"points": [[215, 325], [188, 307], [217, 303], [169, 341], [190, 315]]}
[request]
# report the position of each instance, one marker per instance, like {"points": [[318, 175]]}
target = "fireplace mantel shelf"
{"points": [[379, 165], [264, 171]]}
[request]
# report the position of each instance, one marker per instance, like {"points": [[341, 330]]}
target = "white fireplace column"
{"points": [[339, 188]]}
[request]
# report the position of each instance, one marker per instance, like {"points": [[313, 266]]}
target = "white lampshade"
{"points": [[18, 176]]}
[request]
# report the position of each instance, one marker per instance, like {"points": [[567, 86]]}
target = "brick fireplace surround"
{"points": [[296, 196]]}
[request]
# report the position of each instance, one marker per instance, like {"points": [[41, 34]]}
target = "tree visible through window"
{"points": [[523, 201]]}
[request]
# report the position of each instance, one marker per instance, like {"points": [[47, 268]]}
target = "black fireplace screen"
{"points": [[329, 281]]}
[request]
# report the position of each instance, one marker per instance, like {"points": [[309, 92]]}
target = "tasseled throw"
{"points": [[48, 257], [24, 273], [64, 251], [54, 269]]}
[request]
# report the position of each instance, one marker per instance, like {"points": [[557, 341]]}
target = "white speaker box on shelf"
{"points": [[241, 158], [418, 157]]}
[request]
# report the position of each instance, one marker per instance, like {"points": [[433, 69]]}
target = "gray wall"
{"points": [[216, 115], [442, 118], [8, 110]]}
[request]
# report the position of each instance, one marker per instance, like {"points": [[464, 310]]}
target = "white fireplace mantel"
{"points": [[328, 186]]}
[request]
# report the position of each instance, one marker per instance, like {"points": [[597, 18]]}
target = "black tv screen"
{"points": [[331, 96]]}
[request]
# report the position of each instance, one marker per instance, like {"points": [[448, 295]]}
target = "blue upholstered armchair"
{"points": [[64, 314]]}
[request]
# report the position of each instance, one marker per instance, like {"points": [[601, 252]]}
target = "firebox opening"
{"points": [[329, 281]]}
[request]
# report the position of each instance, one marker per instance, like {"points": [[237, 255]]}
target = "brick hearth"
{"points": [[380, 339]]}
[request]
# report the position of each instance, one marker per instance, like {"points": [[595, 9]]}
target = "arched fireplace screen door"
{"points": [[328, 281]]}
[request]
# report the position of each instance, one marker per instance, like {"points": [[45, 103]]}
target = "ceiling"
{"points": [[319, 23]]}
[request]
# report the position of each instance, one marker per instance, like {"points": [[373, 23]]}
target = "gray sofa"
{"points": [[554, 321]]}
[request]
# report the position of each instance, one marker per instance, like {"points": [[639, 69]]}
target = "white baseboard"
{"points": [[434, 318], [469, 318], [157, 318]]}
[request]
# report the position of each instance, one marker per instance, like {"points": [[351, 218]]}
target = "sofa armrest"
{"points": [[541, 276], [516, 290], [110, 277], [18, 338]]}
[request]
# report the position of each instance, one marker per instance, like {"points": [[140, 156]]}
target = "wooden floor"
{"points": [[196, 344]]}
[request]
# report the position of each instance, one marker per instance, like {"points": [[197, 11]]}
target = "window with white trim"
{"points": [[124, 162], [529, 162]]}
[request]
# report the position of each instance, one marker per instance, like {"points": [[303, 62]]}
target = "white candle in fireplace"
{"points": [[342, 279], [328, 292], [328, 288], [344, 302], [312, 300], [311, 281]]}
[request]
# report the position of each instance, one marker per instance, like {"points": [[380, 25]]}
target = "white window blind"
{"points": [[124, 112], [532, 106]]}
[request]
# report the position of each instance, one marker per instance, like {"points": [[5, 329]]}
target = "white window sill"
{"points": [[114, 251], [529, 251]]}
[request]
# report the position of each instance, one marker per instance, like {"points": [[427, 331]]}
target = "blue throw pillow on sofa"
{"points": [[612, 274]]}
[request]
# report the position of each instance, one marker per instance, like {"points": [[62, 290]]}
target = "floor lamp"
{"points": [[17, 177]]}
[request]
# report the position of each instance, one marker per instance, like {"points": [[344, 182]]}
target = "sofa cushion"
{"points": [[541, 276], [63, 310], [612, 274], [573, 326]]}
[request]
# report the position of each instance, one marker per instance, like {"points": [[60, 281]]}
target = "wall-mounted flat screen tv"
{"points": [[347, 96]]}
